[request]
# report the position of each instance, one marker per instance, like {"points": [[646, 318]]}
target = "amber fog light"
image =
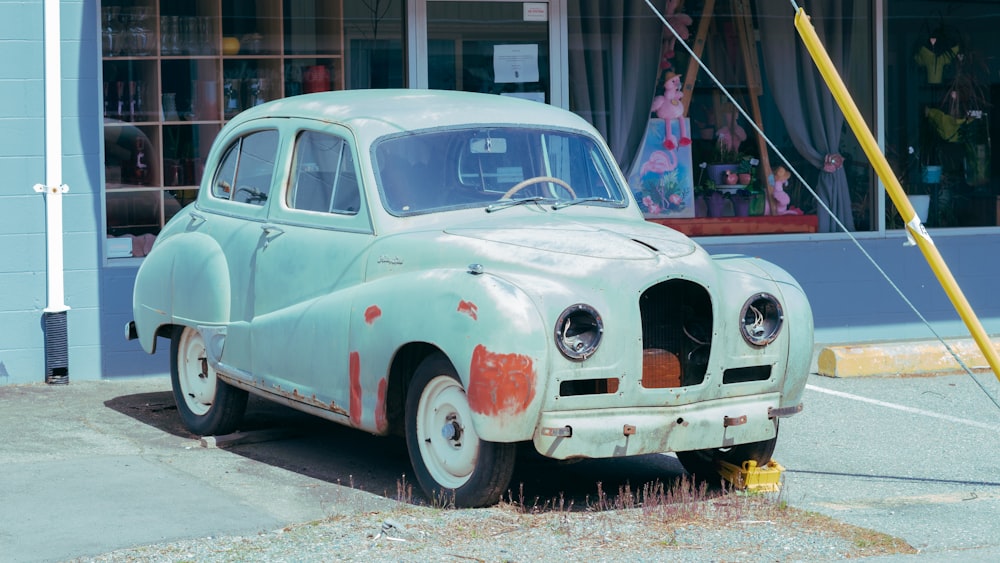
{"points": [[579, 331], [761, 319]]}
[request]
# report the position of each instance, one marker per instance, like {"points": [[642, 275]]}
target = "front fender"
{"points": [[165, 293], [798, 322], [489, 329]]}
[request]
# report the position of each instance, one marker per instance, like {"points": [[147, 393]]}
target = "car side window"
{"points": [[323, 175], [247, 169]]}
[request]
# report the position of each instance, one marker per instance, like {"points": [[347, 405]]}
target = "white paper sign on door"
{"points": [[536, 12], [515, 63]]}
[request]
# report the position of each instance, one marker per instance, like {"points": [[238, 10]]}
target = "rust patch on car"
{"points": [[372, 313], [381, 424], [468, 308], [355, 370], [294, 394], [500, 384]]}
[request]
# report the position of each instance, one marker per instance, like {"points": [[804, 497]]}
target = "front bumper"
{"points": [[604, 433]]}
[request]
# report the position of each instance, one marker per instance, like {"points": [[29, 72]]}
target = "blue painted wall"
{"points": [[850, 299], [22, 212]]}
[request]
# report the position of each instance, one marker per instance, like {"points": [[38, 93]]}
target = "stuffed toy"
{"points": [[731, 136], [669, 107], [680, 23], [781, 176]]}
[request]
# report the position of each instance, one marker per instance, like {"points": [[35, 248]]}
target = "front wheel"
{"points": [[446, 452], [704, 464], [208, 406]]}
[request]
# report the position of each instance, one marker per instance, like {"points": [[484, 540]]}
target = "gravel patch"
{"points": [[731, 527]]}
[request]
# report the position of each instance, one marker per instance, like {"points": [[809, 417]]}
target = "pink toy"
{"points": [[731, 135], [680, 23], [669, 107], [781, 176]]}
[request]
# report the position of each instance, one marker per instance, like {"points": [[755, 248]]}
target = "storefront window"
{"points": [[175, 72], [941, 64], [693, 161]]}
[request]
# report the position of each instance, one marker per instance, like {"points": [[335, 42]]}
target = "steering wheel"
{"points": [[538, 179]]}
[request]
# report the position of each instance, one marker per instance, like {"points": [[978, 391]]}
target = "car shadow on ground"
{"points": [[334, 453]]}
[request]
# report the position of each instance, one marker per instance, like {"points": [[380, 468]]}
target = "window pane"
{"points": [[255, 169], [940, 59], [374, 39], [324, 178]]}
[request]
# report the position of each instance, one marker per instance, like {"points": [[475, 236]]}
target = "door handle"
{"points": [[270, 231]]}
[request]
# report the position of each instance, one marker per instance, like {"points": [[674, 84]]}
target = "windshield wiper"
{"points": [[563, 204], [504, 204]]}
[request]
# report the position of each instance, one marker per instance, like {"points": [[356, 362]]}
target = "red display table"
{"points": [[756, 225]]}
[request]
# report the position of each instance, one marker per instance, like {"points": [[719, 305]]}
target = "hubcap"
{"points": [[449, 445], [195, 376]]}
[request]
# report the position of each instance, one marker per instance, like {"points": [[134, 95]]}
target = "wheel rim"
{"points": [[196, 378], [449, 445]]}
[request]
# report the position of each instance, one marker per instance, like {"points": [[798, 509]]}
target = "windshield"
{"points": [[491, 168]]}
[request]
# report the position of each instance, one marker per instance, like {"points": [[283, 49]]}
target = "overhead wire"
{"points": [[757, 128]]}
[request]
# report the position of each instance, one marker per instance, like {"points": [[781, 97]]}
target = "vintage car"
{"points": [[471, 272]]}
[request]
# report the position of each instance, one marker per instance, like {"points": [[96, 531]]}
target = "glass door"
{"points": [[492, 46]]}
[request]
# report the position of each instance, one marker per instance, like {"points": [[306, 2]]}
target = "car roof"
{"points": [[379, 112]]}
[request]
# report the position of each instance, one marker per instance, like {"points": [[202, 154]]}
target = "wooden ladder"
{"points": [[748, 51]]}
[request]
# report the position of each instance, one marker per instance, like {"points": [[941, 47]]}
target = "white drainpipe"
{"points": [[56, 348]]}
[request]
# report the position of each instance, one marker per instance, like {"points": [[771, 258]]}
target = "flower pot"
{"points": [[930, 174], [744, 178], [741, 206], [715, 204], [757, 204]]}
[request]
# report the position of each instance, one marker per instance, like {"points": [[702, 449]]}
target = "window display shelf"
{"points": [[756, 225], [175, 72]]}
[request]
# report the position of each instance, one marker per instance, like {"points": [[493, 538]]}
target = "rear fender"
{"points": [[165, 293]]}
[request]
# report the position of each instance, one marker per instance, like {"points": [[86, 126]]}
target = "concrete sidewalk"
{"points": [[95, 466]]}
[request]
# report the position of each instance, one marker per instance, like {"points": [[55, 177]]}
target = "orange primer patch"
{"points": [[355, 371], [500, 384], [381, 424], [372, 313], [468, 308]]}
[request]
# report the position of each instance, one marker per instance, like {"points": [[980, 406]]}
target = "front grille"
{"points": [[676, 334]]}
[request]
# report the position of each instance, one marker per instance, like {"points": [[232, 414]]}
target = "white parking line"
{"points": [[905, 408]]}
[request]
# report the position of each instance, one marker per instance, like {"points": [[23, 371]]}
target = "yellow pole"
{"points": [[914, 227]]}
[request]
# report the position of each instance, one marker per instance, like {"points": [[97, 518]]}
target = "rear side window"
{"points": [[323, 175], [247, 170]]}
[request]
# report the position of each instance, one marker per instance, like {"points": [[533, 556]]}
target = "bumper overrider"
{"points": [[636, 431]]}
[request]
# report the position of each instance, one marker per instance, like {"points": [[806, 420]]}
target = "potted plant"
{"points": [[727, 154]]}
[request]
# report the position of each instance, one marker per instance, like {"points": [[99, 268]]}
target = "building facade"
{"points": [[146, 84]]}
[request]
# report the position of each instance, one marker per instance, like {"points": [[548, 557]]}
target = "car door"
{"points": [[306, 270], [233, 214]]}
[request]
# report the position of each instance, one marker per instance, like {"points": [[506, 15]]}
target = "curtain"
{"points": [[614, 55], [811, 116]]}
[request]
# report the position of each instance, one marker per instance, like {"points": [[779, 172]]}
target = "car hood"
{"points": [[604, 239]]}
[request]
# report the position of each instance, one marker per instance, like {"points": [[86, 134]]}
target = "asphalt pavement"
{"points": [[94, 466]]}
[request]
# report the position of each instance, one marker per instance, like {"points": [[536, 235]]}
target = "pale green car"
{"points": [[472, 272]]}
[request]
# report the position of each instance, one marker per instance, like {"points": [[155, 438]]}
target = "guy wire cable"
{"points": [[816, 196]]}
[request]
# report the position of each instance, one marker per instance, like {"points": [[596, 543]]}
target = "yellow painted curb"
{"points": [[924, 357]]}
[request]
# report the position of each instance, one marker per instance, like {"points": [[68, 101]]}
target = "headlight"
{"points": [[579, 331], [761, 319]]}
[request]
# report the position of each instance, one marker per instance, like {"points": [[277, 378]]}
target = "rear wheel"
{"points": [[207, 405], [704, 464], [446, 452]]}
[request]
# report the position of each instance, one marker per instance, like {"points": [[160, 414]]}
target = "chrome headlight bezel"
{"points": [[761, 319], [579, 331]]}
